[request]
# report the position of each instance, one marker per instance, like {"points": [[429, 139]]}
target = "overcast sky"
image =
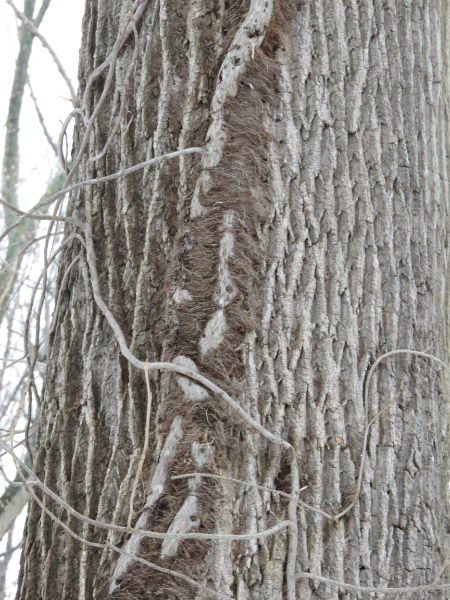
{"points": [[62, 29]]}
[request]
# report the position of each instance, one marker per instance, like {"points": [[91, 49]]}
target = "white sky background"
{"points": [[62, 29]]}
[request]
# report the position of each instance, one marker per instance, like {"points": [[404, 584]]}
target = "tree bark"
{"points": [[309, 238]]}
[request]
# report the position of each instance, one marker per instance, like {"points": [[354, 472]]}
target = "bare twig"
{"points": [[41, 120], [9, 283], [123, 93], [167, 366], [368, 425], [264, 488], [62, 133], [372, 590], [32, 358], [41, 217], [139, 8], [144, 449], [147, 563], [293, 531], [441, 570], [143, 532], [89, 122], [29, 25], [89, 182], [41, 12], [25, 248]]}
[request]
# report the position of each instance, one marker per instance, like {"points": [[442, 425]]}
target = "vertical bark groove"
{"points": [[310, 238]]}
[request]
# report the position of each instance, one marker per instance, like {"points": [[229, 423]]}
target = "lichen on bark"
{"points": [[314, 228]]}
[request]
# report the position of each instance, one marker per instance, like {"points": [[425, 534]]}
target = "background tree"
{"points": [[20, 250], [308, 238], [14, 498]]}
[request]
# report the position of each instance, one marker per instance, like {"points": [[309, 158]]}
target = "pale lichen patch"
{"points": [[192, 390], [226, 289], [180, 295], [214, 332], [187, 518]]}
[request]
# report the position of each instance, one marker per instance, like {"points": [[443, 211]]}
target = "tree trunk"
{"points": [[308, 239], [11, 158]]}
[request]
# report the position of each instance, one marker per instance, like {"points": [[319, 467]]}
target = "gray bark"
{"points": [[309, 238]]}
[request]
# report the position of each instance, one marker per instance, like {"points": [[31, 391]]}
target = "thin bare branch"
{"points": [[371, 590], [264, 488], [139, 8], [144, 449], [81, 184], [123, 94], [167, 366], [368, 425], [293, 531], [154, 566], [41, 12], [62, 133], [29, 25], [40, 117], [25, 248], [9, 283], [35, 481], [89, 122], [40, 217]]}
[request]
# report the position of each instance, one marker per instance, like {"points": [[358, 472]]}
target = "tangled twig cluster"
{"points": [[82, 231]]}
